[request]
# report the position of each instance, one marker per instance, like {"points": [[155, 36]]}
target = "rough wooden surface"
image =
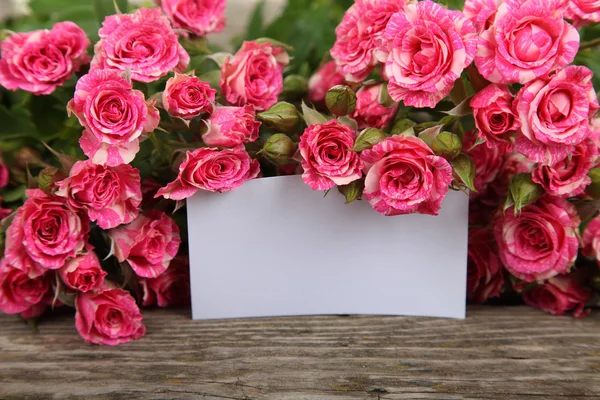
{"points": [[496, 353]]}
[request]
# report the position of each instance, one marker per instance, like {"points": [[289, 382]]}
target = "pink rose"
{"points": [[541, 242], [559, 295], [481, 12], [591, 239], [484, 275], [231, 126], [488, 161], [172, 288], [324, 79], [255, 75], [527, 40], [568, 177], [583, 12], [83, 273], [42, 60], [114, 116], [148, 244], [143, 43], [404, 176], [369, 113], [20, 293], [360, 34], [555, 114], [199, 17], [4, 175], [45, 231], [428, 48], [494, 114], [111, 196], [213, 170], [187, 97], [326, 157], [108, 316]]}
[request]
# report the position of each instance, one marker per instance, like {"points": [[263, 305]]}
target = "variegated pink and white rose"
{"points": [[427, 48], [541, 241], [84, 272], [591, 239], [108, 316], [42, 60], [527, 40], [494, 114], [404, 176], [187, 97], [21, 293], [114, 116], [45, 233], [569, 176], [231, 126], [369, 113], [111, 196], [481, 12], [148, 244], [254, 75], [199, 17], [142, 44], [583, 12], [555, 113], [360, 34], [213, 170], [326, 77], [560, 295], [326, 157], [171, 288]]}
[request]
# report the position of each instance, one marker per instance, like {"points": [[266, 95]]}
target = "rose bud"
{"points": [[341, 100], [522, 192], [282, 116], [279, 149], [108, 316], [447, 145], [402, 126], [231, 126], [83, 273], [29, 157], [368, 138], [294, 86], [187, 97], [369, 111], [48, 178]]}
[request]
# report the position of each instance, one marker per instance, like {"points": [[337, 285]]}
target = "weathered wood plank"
{"points": [[496, 353]]}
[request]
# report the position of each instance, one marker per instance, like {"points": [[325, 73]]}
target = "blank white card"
{"points": [[274, 247]]}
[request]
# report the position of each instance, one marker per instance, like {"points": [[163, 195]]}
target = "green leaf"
{"points": [[104, 8], [367, 139], [462, 109], [312, 116], [353, 190], [447, 145], [464, 169], [522, 191]]}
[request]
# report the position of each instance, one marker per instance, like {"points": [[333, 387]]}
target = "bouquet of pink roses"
{"points": [[417, 100]]}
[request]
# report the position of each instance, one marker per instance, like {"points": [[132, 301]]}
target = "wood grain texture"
{"points": [[496, 353]]}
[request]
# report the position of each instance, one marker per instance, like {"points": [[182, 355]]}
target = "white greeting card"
{"points": [[274, 247]]}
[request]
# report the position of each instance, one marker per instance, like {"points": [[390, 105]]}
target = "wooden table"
{"points": [[496, 353]]}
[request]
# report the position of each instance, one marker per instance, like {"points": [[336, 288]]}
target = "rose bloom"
{"points": [[45, 231], [143, 44], [484, 274], [213, 170], [114, 116], [199, 17], [254, 75], [404, 176], [369, 113], [583, 12], [42, 60], [20, 293], [568, 177], [172, 288], [83, 273], [559, 295], [494, 114], [488, 161], [231, 126], [187, 97], [360, 34], [326, 157], [541, 242], [324, 79], [428, 47], [527, 39], [108, 316], [111, 196], [555, 114], [148, 244], [591, 239], [481, 12]]}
